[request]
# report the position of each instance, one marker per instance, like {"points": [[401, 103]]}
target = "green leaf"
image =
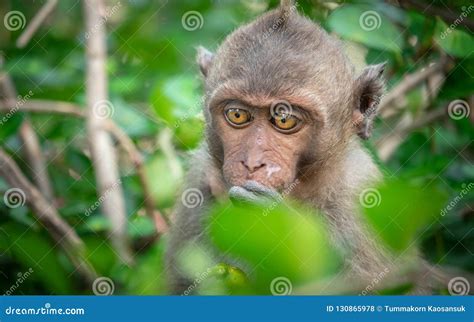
{"points": [[32, 250], [176, 99], [132, 120], [453, 40], [277, 241], [164, 181], [367, 26], [397, 211]]}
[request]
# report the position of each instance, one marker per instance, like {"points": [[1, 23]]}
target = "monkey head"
{"points": [[282, 99]]}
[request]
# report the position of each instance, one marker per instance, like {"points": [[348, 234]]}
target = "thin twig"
{"points": [[100, 141], [127, 144], [48, 216], [42, 106], [32, 146], [35, 23], [409, 82], [70, 109]]}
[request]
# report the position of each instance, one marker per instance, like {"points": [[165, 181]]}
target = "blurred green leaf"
{"points": [[164, 181], [367, 26], [397, 211], [33, 250], [270, 239], [454, 41]]}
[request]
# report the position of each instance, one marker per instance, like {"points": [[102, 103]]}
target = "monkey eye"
{"points": [[237, 116], [284, 121]]}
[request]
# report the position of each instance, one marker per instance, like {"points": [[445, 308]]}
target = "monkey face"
{"points": [[260, 143]]}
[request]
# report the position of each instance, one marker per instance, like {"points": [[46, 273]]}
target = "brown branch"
{"points": [[48, 216], [35, 23], [445, 14], [135, 156], [100, 141], [42, 106], [32, 146], [388, 144], [70, 109], [409, 82]]}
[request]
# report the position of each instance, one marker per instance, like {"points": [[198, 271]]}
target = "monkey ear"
{"points": [[204, 59], [369, 90]]}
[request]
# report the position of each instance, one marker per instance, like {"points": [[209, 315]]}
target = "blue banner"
{"points": [[252, 308]]}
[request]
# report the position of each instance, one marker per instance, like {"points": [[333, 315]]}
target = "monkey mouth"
{"points": [[253, 192]]}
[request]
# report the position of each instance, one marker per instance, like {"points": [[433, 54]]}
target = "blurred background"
{"points": [[70, 225]]}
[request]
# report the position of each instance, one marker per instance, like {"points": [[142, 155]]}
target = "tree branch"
{"points": [[409, 82], [127, 144], [35, 23], [100, 142], [32, 146], [48, 216], [69, 109], [448, 16]]}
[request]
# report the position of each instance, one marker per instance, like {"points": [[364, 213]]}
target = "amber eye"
{"points": [[237, 116], [284, 121]]}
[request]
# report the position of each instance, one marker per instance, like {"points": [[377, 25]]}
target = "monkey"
{"points": [[283, 104]]}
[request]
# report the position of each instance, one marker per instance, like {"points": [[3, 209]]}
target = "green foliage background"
{"points": [[155, 90]]}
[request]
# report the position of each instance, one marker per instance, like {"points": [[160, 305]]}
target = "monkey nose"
{"points": [[253, 165]]}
